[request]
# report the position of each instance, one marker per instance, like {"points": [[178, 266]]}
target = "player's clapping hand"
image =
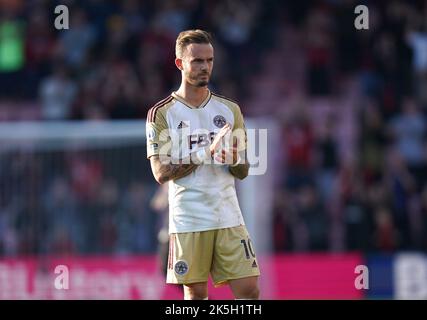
{"points": [[220, 139], [222, 150], [225, 152], [227, 155]]}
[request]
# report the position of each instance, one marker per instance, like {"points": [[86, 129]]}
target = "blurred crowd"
{"points": [[354, 134], [351, 105], [116, 59], [76, 202]]}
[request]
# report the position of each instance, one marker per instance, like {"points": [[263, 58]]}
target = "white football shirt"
{"points": [[206, 199]]}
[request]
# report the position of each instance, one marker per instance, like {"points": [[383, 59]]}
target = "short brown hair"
{"points": [[191, 36]]}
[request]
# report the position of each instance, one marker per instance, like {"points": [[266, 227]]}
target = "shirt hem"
{"points": [[208, 229]]}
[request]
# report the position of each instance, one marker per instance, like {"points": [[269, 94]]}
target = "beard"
{"points": [[197, 82], [202, 83]]}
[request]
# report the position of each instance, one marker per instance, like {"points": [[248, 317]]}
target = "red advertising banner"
{"points": [[88, 278], [313, 276], [283, 277]]}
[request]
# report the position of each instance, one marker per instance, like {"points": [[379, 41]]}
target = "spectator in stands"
{"points": [[386, 237], [408, 130], [416, 37], [311, 214], [298, 147], [76, 42], [57, 94]]}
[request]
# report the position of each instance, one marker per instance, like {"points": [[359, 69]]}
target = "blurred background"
{"points": [[345, 111]]}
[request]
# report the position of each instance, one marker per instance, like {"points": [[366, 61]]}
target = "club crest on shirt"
{"points": [[181, 267], [219, 121]]}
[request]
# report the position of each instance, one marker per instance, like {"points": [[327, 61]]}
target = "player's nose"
{"points": [[204, 67]]}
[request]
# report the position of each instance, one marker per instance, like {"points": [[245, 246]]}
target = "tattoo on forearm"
{"points": [[169, 171], [176, 171]]}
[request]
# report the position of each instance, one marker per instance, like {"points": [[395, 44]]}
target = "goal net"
{"points": [[75, 188]]}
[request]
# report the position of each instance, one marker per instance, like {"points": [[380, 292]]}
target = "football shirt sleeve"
{"points": [[239, 129], [157, 133]]}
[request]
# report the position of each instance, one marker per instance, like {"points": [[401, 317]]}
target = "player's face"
{"points": [[197, 63]]}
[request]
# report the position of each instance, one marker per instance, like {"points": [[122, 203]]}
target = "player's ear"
{"points": [[178, 63]]}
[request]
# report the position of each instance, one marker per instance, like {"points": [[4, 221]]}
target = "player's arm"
{"points": [[240, 166], [235, 157], [164, 171], [158, 150], [240, 170]]}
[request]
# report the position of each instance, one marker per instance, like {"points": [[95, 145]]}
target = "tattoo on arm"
{"points": [[164, 172]]}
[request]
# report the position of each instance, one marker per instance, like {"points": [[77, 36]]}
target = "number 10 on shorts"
{"points": [[247, 245]]}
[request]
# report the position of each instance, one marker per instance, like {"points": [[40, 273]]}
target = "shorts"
{"points": [[226, 254]]}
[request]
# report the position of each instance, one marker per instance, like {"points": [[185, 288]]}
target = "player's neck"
{"points": [[193, 95]]}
